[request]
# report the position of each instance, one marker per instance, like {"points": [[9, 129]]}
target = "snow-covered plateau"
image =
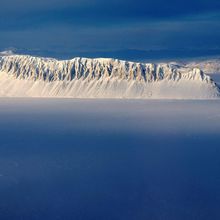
{"points": [[27, 76], [208, 66]]}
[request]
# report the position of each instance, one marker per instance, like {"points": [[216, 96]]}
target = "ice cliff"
{"points": [[27, 76]]}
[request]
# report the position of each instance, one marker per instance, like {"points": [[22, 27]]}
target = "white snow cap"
{"points": [[28, 76], [7, 53]]}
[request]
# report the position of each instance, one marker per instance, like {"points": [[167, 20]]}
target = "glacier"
{"points": [[28, 76], [208, 66]]}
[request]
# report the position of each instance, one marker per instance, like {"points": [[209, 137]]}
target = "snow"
{"points": [[27, 76], [208, 66], [7, 53]]}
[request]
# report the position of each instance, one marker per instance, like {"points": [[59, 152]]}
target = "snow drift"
{"points": [[27, 76]]}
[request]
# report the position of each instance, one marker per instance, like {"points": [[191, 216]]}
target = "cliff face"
{"points": [[27, 67], [101, 78]]}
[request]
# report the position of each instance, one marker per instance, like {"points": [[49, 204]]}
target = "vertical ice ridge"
{"points": [[47, 69], [101, 78]]}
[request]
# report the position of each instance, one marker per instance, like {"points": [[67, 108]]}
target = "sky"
{"points": [[126, 29]]}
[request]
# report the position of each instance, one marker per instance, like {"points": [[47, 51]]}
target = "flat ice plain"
{"points": [[109, 159]]}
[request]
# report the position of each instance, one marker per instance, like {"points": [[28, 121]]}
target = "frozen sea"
{"points": [[72, 159]]}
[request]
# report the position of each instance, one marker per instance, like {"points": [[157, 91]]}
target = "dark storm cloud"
{"points": [[27, 13], [85, 25], [124, 7]]}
